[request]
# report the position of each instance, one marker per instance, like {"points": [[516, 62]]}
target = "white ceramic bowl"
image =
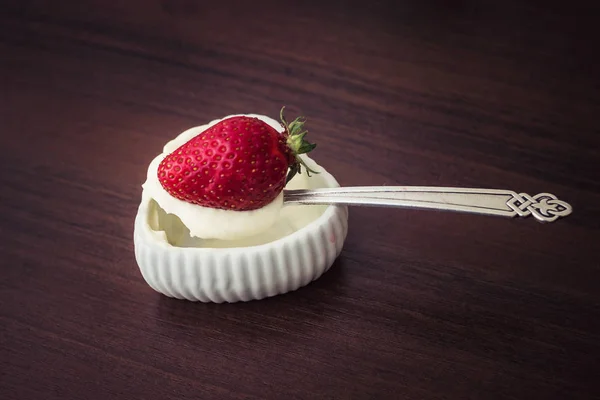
{"points": [[230, 274]]}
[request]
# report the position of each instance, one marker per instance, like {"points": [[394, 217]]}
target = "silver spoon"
{"points": [[545, 207]]}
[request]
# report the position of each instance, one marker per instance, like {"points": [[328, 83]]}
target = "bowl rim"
{"points": [[145, 231]]}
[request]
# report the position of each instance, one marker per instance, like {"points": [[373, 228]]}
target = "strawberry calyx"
{"points": [[295, 133]]}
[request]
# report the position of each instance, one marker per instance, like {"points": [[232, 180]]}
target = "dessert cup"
{"points": [[179, 266]]}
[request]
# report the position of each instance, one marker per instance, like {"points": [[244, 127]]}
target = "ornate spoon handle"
{"points": [[545, 207]]}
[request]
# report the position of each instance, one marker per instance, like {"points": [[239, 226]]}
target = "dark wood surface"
{"points": [[420, 304]]}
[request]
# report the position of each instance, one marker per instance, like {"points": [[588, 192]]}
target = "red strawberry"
{"points": [[240, 163]]}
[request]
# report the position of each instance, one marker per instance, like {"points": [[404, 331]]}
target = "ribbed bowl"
{"points": [[240, 273]]}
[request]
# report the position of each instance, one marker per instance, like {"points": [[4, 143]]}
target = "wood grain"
{"points": [[420, 305]]}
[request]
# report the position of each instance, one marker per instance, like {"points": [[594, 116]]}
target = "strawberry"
{"points": [[240, 163]]}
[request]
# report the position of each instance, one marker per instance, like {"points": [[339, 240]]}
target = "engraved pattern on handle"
{"points": [[545, 207]]}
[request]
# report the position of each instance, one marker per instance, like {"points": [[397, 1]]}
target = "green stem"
{"points": [[298, 145]]}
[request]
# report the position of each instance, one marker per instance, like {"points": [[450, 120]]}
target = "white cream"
{"points": [[246, 228]]}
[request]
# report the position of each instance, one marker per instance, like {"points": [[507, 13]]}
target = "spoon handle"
{"points": [[545, 207]]}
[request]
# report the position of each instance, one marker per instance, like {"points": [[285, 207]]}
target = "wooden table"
{"points": [[420, 304]]}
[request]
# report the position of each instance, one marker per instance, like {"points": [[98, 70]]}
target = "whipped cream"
{"points": [[169, 229], [211, 223]]}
